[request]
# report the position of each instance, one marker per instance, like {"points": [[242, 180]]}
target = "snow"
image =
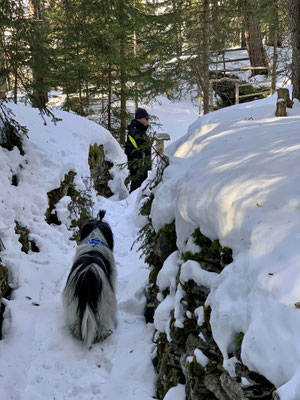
{"points": [[201, 358], [176, 393], [166, 277], [39, 358], [234, 173]]}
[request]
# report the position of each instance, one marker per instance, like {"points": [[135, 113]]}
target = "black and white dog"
{"points": [[89, 296]]}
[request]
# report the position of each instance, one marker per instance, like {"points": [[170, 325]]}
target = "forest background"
{"points": [[103, 54]]}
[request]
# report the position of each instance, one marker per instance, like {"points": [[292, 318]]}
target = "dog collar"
{"points": [[95, 241]]}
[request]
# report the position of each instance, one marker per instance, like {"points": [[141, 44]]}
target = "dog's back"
{"points": [[89, 295]]}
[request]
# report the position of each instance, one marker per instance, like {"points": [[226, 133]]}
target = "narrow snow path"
{"points": [[41, 361]]}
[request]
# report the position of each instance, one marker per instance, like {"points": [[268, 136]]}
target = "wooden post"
{"points": [[237, 93], [160, 139], [281, 108], [285, 95], [283, 102]]}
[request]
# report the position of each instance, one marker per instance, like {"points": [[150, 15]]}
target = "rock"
{"points": [[99, 169], [212, 383], [4, 291], [231, 387], [176, 361]]}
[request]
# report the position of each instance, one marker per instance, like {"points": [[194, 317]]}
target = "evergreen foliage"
{"points": [[105, 53]]}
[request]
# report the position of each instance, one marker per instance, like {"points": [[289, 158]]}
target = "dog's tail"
{"points": [[101, 215], [88, 292]]}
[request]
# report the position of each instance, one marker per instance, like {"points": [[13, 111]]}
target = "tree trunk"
{"points": [[294, 11], [39, 94], [273, 26], [273, 36], [3, 87], [123, 79], [109, 98], [123, 94], [205, 73], [257, 54]]}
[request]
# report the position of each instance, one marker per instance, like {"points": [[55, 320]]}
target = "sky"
{"points": [[234, 173]]}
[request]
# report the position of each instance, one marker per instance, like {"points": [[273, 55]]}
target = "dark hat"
{"points": [[141, 113]]}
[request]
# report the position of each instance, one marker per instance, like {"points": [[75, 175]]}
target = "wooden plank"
{"points": [[228, 60], [225, 79], [255, 94], [255, 83], [227, 50], [237, 69]]}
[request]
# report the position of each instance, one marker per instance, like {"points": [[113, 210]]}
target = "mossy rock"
{"points": [[194, 368], [27, 244], [4, 288], [195, 295], [212, 256], [80, 207], [23, 233], [156, 267], [207, 312], [146, 206], [156, 247], [66, 188], [178, 335], [168, 366], [164, 242], [239, 339], [99, 169]]}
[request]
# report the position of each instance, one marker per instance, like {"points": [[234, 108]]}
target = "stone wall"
{"points": [[188, 354]]}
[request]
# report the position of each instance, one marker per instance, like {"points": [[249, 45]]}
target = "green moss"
{"points": [[207, 312], [146, 207], [161, 345], [26, 243], [66, 188], [173, 378], [211, 253], [99, 169], [170, 230], [195, 368], [4, 288], [239, 339], [156, 246], [153, 273], [191, 256]]}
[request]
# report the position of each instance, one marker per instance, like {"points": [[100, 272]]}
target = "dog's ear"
{"points": [[101, 214]]}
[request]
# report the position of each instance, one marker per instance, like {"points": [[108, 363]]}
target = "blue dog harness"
{"points": [[95, 241]]}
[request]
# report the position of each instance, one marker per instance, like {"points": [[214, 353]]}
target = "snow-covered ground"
{"points": [[234, 173], [39, 359]]}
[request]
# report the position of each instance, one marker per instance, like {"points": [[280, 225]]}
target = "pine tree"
{"points": [[294, 9]]}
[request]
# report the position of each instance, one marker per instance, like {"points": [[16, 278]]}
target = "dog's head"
{"points": [[103, 226]]}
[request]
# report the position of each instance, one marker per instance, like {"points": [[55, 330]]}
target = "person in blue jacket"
{"points": [[138, 148]]}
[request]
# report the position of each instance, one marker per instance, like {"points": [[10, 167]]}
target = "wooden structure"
{"points": [[160, 140], [237, 82], [258, 93]]}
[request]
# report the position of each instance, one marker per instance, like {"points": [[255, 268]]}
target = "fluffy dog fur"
{"points": [[89, 295]]}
